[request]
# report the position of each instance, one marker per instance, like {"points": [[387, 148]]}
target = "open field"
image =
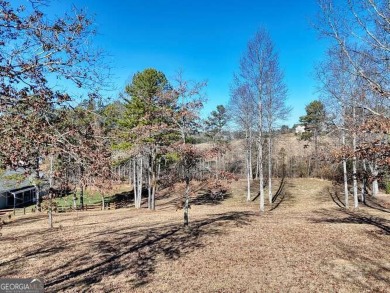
{"points": [[304, 243]]}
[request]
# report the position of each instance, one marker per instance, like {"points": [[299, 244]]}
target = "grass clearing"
{"points": [[306, 244]]}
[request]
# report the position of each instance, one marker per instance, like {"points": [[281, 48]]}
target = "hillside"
{"points": [[304, 242]]}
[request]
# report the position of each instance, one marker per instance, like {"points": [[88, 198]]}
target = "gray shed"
{"points": [[14, 194]]}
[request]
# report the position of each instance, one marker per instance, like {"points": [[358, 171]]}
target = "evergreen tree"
{"points": [[216, 122], [314, 122], [147, 121]]}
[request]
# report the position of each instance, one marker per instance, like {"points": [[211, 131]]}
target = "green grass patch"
{"points": [[90, 197]]}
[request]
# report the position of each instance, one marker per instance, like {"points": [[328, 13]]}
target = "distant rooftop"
{"points": [[7, 182]]}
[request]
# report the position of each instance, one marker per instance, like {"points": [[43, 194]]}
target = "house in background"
{"points": [[299, 129], [15, 191]]}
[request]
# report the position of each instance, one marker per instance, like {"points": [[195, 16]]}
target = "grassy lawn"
{"points": [[89, 198], [302, 243]]}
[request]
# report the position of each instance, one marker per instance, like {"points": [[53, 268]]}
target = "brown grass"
{"points": [[306, 244]]}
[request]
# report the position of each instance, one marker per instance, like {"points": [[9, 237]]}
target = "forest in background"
{"points": [[153, 135]]}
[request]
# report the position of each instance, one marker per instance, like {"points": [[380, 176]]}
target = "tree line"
{"points": [[150, 131]]}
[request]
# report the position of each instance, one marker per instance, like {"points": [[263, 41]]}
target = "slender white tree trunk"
{"points": [[375, 172], [51, 171], [140, 179], [248, 167], [364, 182], [270, 168], [50, 212], [153, 182], [375, 187], [250, 154], [260, 160], [103, 202], [135, 185], [130, 177], [345, 173], [354, 164], [257, 163]]}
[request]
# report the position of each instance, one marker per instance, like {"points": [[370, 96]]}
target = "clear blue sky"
{"points": [[206, 39]]}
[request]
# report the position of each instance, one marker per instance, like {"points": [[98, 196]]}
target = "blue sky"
{"points": [[206, 40]]}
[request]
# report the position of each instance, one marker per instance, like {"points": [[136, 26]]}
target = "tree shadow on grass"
{"points": [[121, 199], [280, 195], [351, 217], [335, 197], [364, 268], [135, 253], [24, 220], [373, 203], [208, 198]]}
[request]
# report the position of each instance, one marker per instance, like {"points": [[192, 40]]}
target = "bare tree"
{"points": [[189, 98], [361, 30], [255, 68], [242, 109], [275, 109]]}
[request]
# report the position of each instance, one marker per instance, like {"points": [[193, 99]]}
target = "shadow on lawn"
{"points": [[365, 268], [335, 197], [280, 195], [370, 201], [29, 219], [208, 198], [126, 198], [136, 252], [352, 217], [373, 203]]}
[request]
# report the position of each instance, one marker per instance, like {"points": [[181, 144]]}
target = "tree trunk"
{"points": [[149, 174], [354, 163], [375, 172], [82, 187], [375, 187], [257, 164], [82, 196], [153, 182], [260, 161], [364, 182], [140, 183], [270, 168], [187, 201], [38, 187], [316, 152], [140, 179], [51, 172], [130, 177], [250, 154], [50, 212], [248, 167], [345, 173], [75, 200], [135, 189]]}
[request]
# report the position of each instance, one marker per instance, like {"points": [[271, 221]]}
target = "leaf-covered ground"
{"points": [[305, 242]]}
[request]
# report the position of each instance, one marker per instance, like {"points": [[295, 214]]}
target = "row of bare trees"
{"points": [[258, 103], [354, 81]]}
